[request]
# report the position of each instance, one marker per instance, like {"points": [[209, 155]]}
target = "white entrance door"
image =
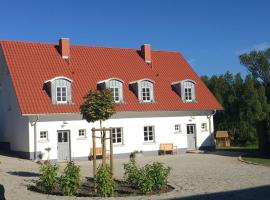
{"points": [[191, 136], [63, 145]]}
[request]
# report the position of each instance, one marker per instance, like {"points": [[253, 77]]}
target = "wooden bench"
{"points": [[98, 153], [165, 148]]}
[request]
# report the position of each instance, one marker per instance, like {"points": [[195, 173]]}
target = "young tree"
{"points": [[98, 106]]}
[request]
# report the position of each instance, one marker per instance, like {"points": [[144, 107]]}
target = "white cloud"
{"points": [[257, 47]]}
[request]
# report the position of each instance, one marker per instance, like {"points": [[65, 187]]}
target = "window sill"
{"points": [[149, 143], [44, 141], [82, 138], [119, 145], [204, 130], [178, 132]]}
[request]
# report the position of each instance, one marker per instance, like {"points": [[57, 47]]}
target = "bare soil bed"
{"points": [[122, 189]]}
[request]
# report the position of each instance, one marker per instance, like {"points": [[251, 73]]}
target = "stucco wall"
{"points": [[132, 131], [13, 126]]}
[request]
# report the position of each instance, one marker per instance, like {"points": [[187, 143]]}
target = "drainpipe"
{"points": [[210, 127], [35, 137]]}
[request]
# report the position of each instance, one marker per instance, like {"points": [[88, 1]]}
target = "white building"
{"points": [[160, 99]]}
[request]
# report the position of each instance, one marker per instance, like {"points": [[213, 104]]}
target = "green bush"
{"points": [[105, 182], [70, 179], [144, 181], [159, 175], [131, 172], [151, 177], [48, 177]]}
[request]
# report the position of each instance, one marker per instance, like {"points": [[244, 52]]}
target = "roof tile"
{"points": [[31, 64]]}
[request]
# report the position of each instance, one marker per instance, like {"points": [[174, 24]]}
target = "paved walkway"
{"points": [[194, 176]]}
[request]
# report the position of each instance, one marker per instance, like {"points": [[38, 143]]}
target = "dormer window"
{"points": [[146, 94], [115, 93], [59, 88], [143, 89], [61, 94], [188, 91], [116, 85], [185, 89]]}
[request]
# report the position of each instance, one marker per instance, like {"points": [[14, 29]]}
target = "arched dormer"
{"points": [[116, 85], [185, 89], [144, 89], [59, 89]]}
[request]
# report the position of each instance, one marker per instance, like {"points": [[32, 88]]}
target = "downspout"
{"points": [[35, 137], [210, 127]]}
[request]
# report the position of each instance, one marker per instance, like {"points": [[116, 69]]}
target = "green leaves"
{"points": [[244, 102], [151, 177], [98, 105], [105, 182], [258, 63], [70, 179], [48, 178]]}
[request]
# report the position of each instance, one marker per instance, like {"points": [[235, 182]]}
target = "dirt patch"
{"points": [[122, 189]]}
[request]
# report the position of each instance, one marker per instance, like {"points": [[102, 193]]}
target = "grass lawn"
{"points": [[255, 158], [252, 154]]}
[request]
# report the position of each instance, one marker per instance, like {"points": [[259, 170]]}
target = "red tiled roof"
{"points": [[30, 64]]}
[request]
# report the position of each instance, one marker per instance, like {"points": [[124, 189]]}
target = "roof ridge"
{"points": [[85, 46]]}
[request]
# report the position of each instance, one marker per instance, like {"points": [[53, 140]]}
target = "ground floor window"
{"points": [[177, 128], [117, 135], [204, 126], [82, 133], [149, 133], [43, 135]]}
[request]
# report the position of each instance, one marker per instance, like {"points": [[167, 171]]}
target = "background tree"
{"points": [[258, 63], [245, 106]]}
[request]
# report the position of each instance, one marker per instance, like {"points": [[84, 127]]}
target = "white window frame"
{"points": [[113, 93], [146, 134], [188, 92], [204, 127], [81, 135], [115, 137], [61, 94], [177, 130], [43, 138], [146, 96]]}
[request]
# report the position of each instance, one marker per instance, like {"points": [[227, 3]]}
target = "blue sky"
{"points": [[209, 33]]}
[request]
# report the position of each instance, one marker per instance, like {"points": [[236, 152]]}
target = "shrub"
{"points": [[159, 175], [131, 172], [151, 177], [48, 177], [105, 182], [70, 179], [144, 181]]}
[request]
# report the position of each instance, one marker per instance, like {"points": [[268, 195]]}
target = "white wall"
{"points": [[13, 126], [132, 131]]}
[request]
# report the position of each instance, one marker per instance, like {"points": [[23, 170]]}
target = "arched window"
{"points": [[59, 89], [188, 90], [144, 89], [117, 89], [147, 91], [185, 89], [116, 85]]}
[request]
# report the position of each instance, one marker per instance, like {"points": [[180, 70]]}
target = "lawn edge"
{"points": [[248, 162]]}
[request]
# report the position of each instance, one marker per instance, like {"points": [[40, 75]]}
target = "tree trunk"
{"points": [[103, 142], [263, 138]]}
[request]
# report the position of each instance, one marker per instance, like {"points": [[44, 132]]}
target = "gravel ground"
{"points": [[195, 176]]}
